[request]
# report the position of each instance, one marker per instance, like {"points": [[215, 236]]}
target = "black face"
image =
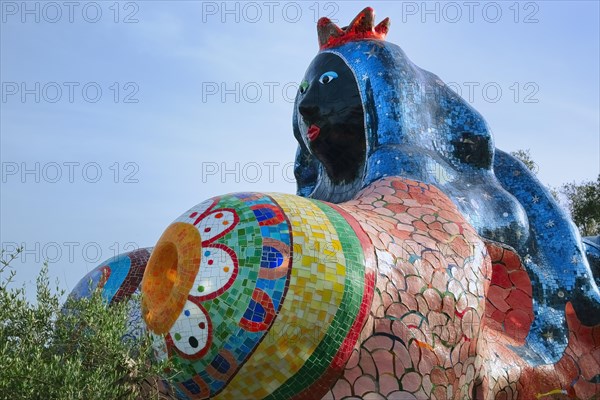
{"points": [[332, 119]]}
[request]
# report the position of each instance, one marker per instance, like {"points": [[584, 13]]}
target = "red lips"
{"points": [[313, 132]]}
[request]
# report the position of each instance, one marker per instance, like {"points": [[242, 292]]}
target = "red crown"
{"points": [[361, 28]]}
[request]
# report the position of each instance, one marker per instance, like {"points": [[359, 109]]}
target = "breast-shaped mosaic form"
{"points": [[258, 295], [390, 295], [270, 295]]}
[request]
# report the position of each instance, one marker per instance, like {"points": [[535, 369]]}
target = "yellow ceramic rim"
{"points": [[169, 275]]}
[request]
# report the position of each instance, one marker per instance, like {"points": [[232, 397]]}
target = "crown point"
{"points": [[361, 28], [327, 32], [323, 21], [363, 21], [383, 27]]}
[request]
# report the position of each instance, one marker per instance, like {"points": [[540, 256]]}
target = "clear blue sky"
{"points": [[189, 89]]}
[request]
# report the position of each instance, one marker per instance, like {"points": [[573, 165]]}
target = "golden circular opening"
{"points": [[169, 275]]}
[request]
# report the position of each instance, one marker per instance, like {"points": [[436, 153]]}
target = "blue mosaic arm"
{"points": [[555, 259], [592, 252]]}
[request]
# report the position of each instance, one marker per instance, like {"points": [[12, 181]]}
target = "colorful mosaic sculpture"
{"points": [[119, 278], [417, 262]]}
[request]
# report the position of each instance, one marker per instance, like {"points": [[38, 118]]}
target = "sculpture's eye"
{"points": [[328, 77], [303, 86]]}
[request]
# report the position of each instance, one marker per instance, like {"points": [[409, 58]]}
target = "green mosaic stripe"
{"points": [[225, 310], [318, 363]]}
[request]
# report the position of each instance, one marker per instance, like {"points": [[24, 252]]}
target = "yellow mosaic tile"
{"points": [[314, 295]]}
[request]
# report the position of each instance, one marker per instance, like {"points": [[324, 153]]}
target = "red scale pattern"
{"points": [[421, 336], [509, 306], [448, 308]]}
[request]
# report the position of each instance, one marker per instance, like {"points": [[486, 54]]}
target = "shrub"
{"points": [[48, 351]]}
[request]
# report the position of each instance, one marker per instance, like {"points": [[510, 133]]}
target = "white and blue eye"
{"points": [[327, 77]]}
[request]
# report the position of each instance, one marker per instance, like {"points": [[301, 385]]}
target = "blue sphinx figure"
{"points": [[365, 112]]}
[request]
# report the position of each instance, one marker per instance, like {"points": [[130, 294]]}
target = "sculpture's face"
{"points": [[332, 119]]}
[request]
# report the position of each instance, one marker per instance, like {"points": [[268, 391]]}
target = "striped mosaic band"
{"points": [[327, 302]]}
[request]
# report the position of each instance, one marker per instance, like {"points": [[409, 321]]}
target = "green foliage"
{"points": [[47, 352], [583, 201], [525, 157]]}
